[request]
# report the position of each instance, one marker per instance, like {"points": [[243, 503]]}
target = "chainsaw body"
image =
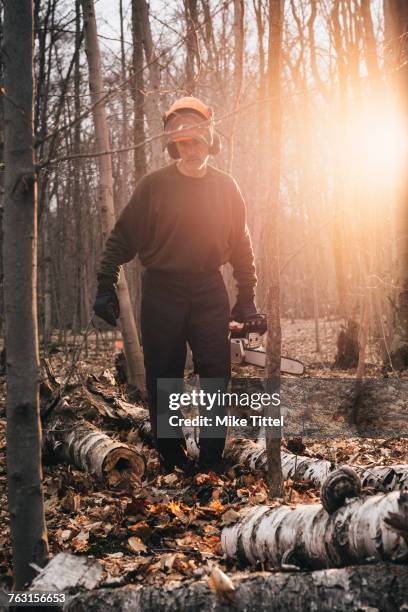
{"points": [[247, 347]]}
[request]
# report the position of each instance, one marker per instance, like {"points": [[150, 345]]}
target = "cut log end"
{"points": [[340, 485], [123, 460]]}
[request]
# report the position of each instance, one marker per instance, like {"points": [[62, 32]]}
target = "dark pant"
{"points": [[176, 310]]}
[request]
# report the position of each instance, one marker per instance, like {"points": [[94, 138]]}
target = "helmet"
{"points": [[189, 103], [189, 118]]}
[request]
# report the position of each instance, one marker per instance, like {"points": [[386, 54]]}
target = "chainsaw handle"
{"points": [[256, 324]]}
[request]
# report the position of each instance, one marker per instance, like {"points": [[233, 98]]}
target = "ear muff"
{"points": [[216, 145]]}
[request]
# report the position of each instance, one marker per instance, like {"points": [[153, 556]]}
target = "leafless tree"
{"points": [[24, 473]]}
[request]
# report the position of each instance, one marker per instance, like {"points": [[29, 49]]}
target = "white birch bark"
{"points": [[362, 530], [252, 456], [91, 450], [342, 590]]}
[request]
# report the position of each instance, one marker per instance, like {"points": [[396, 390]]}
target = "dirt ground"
{"points": [[169, 529]]}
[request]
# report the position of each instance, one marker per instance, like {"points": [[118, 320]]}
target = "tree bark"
{"points": [[152, 99], [138, 90], [273, 347], [192, 50], [24, 474], [239, 44], [374, 528], [370, 45], [340, 590], [66, 572], [1, 183], [132, 346]]}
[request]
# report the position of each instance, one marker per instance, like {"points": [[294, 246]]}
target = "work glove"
{"points": [[107, 306], [244, 310]]}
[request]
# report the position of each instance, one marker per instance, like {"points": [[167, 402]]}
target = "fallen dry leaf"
{"points": [[221, 584], [136, 545], [229, 517]]}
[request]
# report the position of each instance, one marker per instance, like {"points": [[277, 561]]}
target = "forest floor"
{"points": [[169, 528]]}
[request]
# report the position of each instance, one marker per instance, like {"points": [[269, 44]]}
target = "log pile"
{"points": [[339, 532]]}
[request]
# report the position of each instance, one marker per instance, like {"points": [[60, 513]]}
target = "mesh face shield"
{"points": [[184, 125]]}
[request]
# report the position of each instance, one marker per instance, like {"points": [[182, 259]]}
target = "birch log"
{"points": [[337, 590], [371, 528], [252, 456], [247, 453], [90, 450]]}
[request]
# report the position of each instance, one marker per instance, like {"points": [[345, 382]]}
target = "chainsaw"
{"points": [[247, 345]]}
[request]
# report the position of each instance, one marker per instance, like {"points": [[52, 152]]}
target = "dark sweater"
{"points": [[182, 225]]}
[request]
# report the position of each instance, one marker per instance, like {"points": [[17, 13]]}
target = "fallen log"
{"points": [[338, 590], [245, 452], [366, 528], [252, 455], [340, 485], [83, 445]]}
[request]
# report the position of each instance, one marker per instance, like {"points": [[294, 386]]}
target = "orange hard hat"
{"points": [[189, 103]]}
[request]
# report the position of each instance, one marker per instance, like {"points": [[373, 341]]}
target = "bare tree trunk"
{"points": [[340, 192], [24, 472], [77, 200], [132, 347], [353, 416], [47, 330], [397, 12], [239, 41], [273, 347], [1, 184], [152, 99], [138, 90], [370, 47], [192, 51]]}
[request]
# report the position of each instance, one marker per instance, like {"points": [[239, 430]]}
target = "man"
{"points": [[185, 221]]}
